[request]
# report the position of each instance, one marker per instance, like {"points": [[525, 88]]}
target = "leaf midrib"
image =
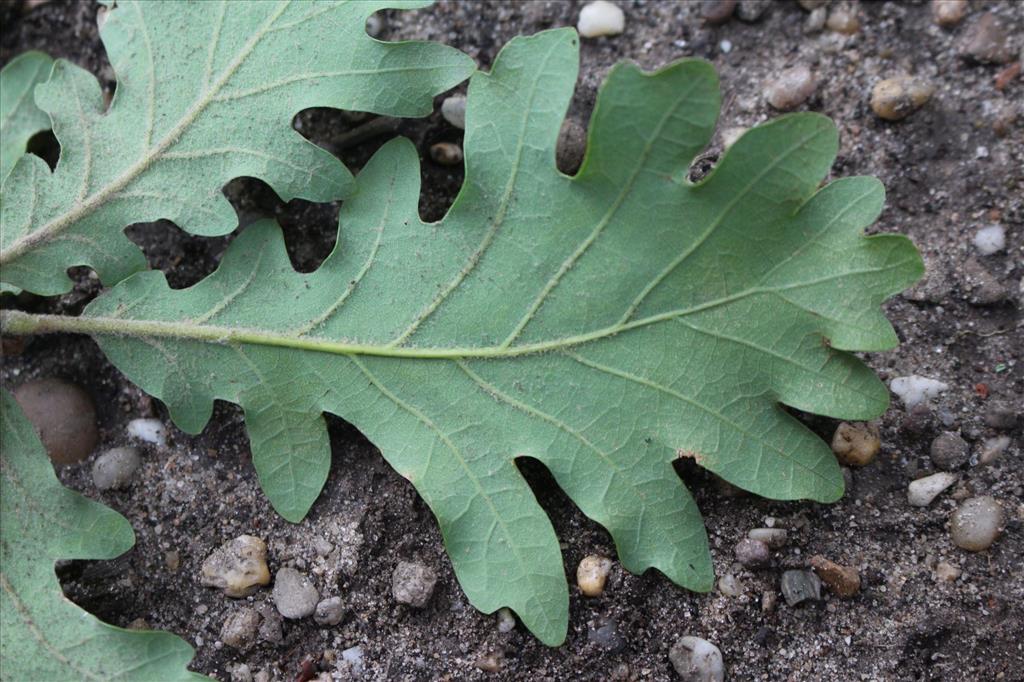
{"points": [[17, 322]]}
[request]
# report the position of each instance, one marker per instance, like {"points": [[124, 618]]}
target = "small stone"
{"points": [[948, 13], [489, 663], [752, 552], [773, 537], [799, 586], [989, 240], [240, 628], [604, 632], [949, 451], [148, 431], [413, 583], [856, 444], [172, 559], [354, 657], [913, 389], [115, 468], [717, 11], [374, 25], [791, 88], [947, 572], [506, 620], [591, 575], [843, 19], [844, 581], [752, 10], [294, 594], [921, 492], [572, 145], [446, 153], [730, 585], [815, 22], [985, 289], [271, 629], [1001, 416], [600, 18], [768, 601], [241, 673], [896, 98], [63, 415], [697, 660], [238, 567], [987, 41], [976, 523], [453, 109], [330, 611], [992, 449]]}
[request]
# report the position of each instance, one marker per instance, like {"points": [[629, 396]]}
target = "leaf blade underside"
{"points": [[604, 324], [206, 93], [20, 118], [44, 636]]}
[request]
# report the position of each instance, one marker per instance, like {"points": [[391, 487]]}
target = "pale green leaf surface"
{"points": [[206, 93], [44, 636], [20, 118], [604, 324]]}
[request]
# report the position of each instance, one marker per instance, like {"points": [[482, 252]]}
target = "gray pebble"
{"points": [[751, 552], [572, 145], [354, 657], [717, 11], [985, 289], [948, 13], [63, 415], [697, 660], [294, 594], [791, 88], [976, 523], [453, 109], [921, 492], [1001, 416], [115, 468], [240, 628], [752, 10], [949, 451], [815, 21], [241, 673], [730, 585], [413, 583], [604, 632], [987, 41], [799, 586], [992, 449], [773, 537], [329, 612], [506, 620]]}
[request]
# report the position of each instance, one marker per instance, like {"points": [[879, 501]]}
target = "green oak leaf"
{"points": [[206, 93], [44, 636], [605, 324], [20, 118]]}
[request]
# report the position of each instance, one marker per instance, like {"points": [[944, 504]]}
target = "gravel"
{"points": [[976, 523], [295, 595], [115, 468], [592, 573], [697, 660], [64, 416], [413, 584], [949, 451], [238, 567]]}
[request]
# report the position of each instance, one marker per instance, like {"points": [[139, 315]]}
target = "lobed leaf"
{"points": [[43, 635], [206, 93], [20, 118], [604, 324]]}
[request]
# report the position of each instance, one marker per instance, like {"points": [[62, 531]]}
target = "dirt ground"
{"points": [[951, 168]]}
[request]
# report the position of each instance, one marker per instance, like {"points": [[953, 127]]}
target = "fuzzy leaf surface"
{"points": [[20, 118], [604, 324], [44, 636], [206, 93]]}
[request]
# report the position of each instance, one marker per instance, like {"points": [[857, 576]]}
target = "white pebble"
{"points": [[698, 660], [914, 389], [976, 524], [921, 492], [354, 657], [506, 621], [725, 46], [990, 239], [148, 430], [600, 18], [453, 109]]}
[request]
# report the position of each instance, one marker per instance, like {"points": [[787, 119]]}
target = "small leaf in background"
{"points": [[20, 118], [605, 324], [43, 635], [206, 92]]}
